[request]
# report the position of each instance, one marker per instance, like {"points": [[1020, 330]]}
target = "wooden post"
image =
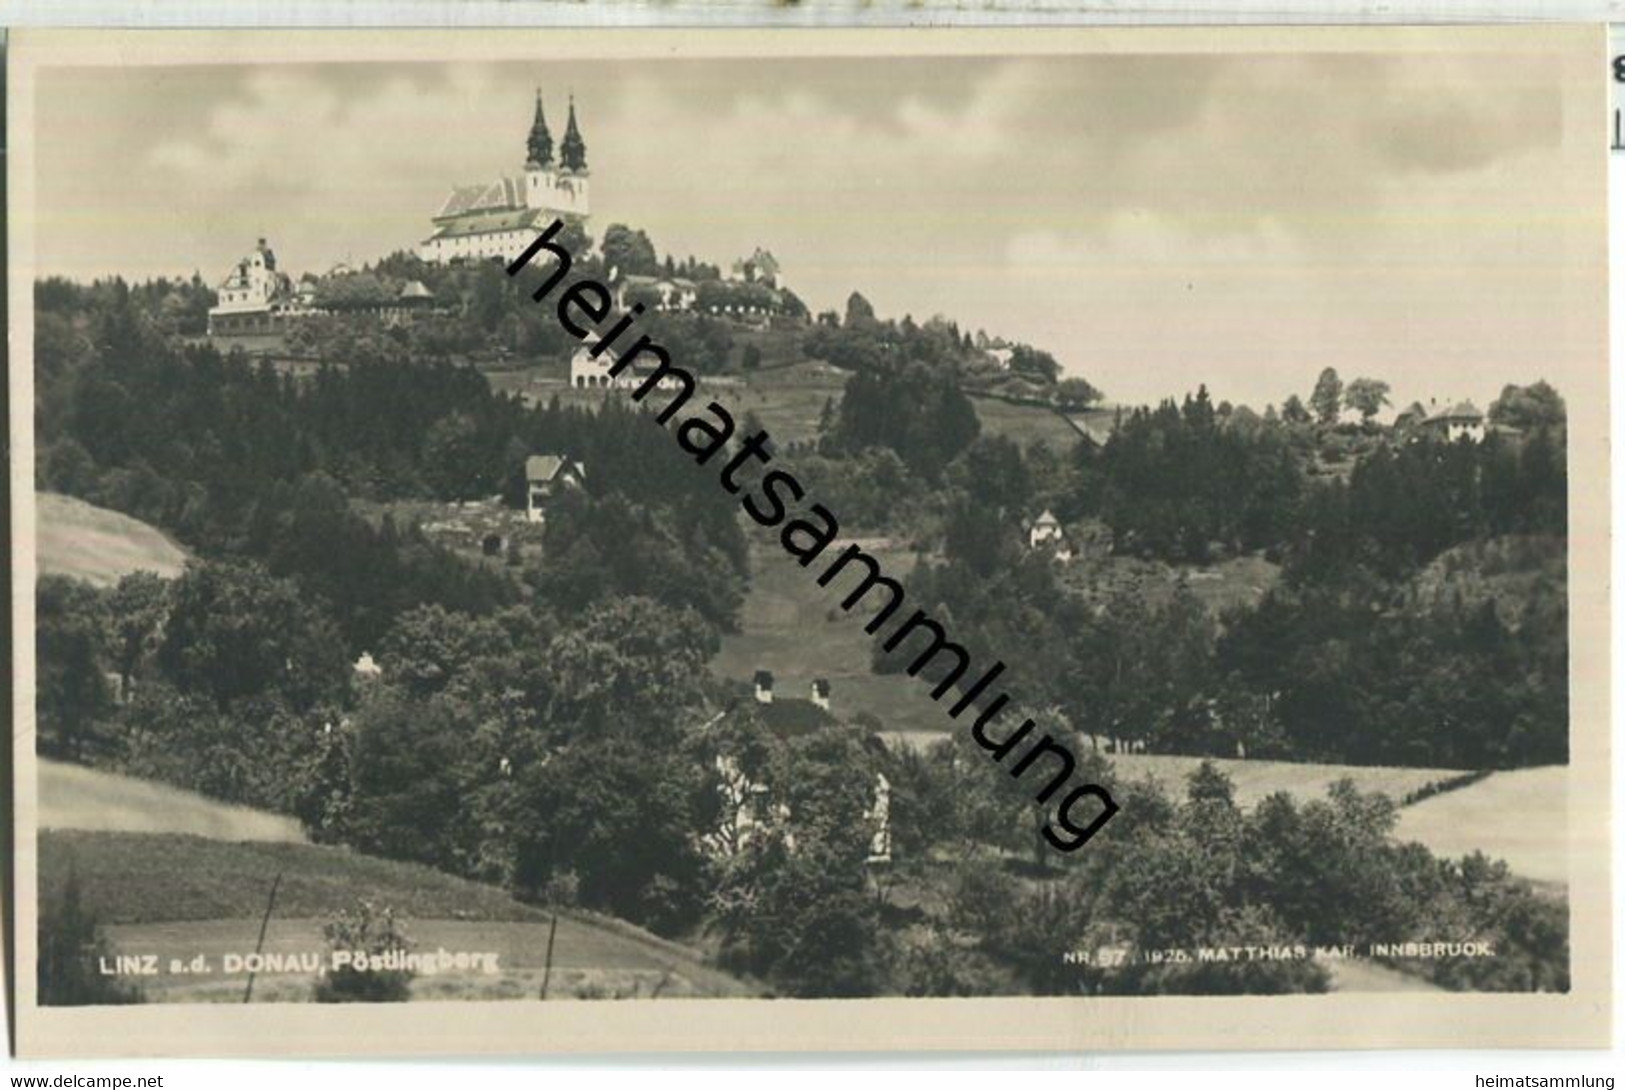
{"points": [[547, 969], [259, 947]]}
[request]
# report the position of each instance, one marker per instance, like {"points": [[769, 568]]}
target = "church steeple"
{"points": [[540, 145], [573, 150]]}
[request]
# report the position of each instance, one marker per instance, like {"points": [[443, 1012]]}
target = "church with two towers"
{"points": [[499, 219]]}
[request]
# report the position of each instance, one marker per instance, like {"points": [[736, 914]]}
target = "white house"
{"points": [[589, 372], [546, 476], [1461, 420], [1046, 528], [254, 297]]}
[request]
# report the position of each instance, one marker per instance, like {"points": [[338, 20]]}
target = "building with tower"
{"points": [[499, 219], [255, 297]]}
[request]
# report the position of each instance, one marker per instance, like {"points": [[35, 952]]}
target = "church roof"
{"points": [[504, 193], [486, 222]]}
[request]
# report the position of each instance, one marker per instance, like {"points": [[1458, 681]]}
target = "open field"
{"points": [[797, 629], [788, 394], [1520, 816], [97, 545], [1026, 424], [74, 797], [181, 896], [1222, 586], [1256, 780]]}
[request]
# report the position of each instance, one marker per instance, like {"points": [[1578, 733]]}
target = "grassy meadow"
{"points": [[97, 545], [179, 896]]}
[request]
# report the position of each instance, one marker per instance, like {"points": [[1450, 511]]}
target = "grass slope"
{"points": [[1520, 816], [100, 546], [180, 896], [74, 797], [797, 629]]}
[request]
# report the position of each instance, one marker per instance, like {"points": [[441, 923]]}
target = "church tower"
{"points": [[539, 178], [573, 152], [558, 187]]}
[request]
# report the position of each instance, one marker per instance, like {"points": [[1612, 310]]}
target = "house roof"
{"points": [[415, 289], [1047, 519], [547, 467], [1461, 410], [486, 222]]}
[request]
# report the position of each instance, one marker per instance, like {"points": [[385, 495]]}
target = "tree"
{"points": [[622, 818], [138, 607], [858, 311], [1076, 393], [629, 252], [1528, 408], [236, 631], [70, 622], [1034, 363], [1367, 395], [1328, 396], [1293, 412], [71, 944]]}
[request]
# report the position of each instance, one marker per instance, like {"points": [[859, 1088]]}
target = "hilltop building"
{"points": [[255, 297], [760, 267], [498, 219]]}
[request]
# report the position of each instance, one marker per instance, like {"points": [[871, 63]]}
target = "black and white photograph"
{"points": [[534, 525]]}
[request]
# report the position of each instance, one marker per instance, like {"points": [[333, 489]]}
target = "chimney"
{"points": [[764, 687], [820, 692]]}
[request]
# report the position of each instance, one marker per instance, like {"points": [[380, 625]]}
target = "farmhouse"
{"points": [[1461, 420], [656, 292], [746, 809], [498, 219], [546, 476]]}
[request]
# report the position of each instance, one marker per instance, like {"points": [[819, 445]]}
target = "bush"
{"points": [[366, 931]]}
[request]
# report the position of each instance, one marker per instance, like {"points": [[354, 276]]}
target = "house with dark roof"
{"points": [[498, 219], [546, 476]]}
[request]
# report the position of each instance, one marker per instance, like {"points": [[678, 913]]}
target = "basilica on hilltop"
{"points": [[498, 219]]}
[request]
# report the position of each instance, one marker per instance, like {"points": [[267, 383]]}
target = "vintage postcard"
{"points": [[536, 541]]}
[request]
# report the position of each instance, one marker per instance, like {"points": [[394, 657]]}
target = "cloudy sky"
{"points": [[1155, 222]]}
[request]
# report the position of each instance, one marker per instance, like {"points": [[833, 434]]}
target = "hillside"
{"points": [[75, 797], [180, 896], [100, 546], [1520, 816]]}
